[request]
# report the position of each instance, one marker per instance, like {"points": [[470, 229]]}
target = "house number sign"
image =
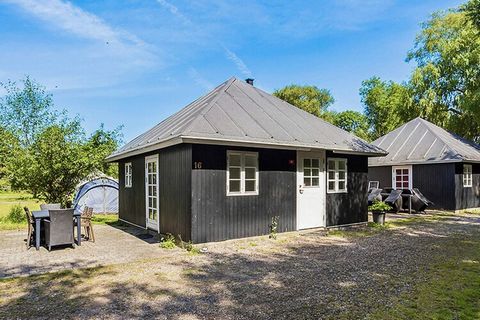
{"points": [[198, 164]]}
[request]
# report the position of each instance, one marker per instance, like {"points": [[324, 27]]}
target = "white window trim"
{"points": [[242, 155], [336, 179], [467, 176], [128, 175], [394, 176]]}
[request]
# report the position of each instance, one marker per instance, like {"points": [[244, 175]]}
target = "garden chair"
{"points": [[50, 206], [31, 227], [58, 228], [86, 219]]}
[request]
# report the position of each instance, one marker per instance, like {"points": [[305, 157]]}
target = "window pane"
{"points": [[331, 165], [405, 178], [234, 173], [331, 175], [250, 161], [398, 171], [341, 165], [250, 173], [398, 184], [307, 182], [405, 185], [315, 182], [405, 172], [341, 185], [315, 163], [307, 163], [341, 175], [331, 185], [234, 160], [235, 186], [306, 172], [250, 185], [315, 172]]}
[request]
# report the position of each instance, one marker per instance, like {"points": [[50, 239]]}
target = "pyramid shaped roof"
{"points": [[419, 141], [237, 113]]}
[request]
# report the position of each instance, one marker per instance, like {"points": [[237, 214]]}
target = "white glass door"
{"points": [[151, 191]]}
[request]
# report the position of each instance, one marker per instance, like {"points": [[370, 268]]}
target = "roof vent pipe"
{"points": [[249, 81]]}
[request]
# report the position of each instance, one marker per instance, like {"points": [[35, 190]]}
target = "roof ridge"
{"points": [[222, 88], [428, 125]]}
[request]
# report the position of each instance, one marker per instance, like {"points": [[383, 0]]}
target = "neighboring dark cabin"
{"points": [[442, 165], [227, 164]]}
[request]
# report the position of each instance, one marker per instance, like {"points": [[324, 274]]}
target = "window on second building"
{"points": [[337, 175], [242, 173], [467, 175], [128, 175]]}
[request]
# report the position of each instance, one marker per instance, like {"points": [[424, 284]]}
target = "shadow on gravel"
{"points": [[306, 279]]}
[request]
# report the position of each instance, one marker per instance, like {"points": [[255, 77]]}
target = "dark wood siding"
{"points": [[175, 167], [352, 206], [436, 182], [467, 197], [216, 216], [132, 200], [381, 174]]}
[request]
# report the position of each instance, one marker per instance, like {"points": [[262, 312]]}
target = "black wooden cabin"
{"points": [[442, 165], [224, 166]]}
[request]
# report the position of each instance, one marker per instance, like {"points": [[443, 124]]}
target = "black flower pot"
{"points": [[378, 217]]}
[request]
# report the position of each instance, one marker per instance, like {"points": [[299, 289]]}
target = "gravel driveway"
{"points": [[298, 276]]}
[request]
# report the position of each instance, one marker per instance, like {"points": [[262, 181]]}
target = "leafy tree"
{"points": [[26, 111], [50, 159], [309, 98], [446, 83], [385, 105], [472, 9], [354, 122]]}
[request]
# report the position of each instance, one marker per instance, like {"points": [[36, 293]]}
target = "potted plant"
{"points": [[378, 209]]}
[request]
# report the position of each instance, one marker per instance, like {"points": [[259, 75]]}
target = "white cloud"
{"points": [[174, 10], [241, 66], [199, 79], [65, 15]]}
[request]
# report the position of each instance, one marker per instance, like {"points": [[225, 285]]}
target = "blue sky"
{"points": [[134, 62]]}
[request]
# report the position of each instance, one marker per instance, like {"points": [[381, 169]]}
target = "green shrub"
{"points": [[273, 228], [191, 248], [168, 242], [16, 214], [379, 206]]}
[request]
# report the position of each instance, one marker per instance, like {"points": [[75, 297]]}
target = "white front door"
{"points": [[151, 192], [402, 177], [310, 189]]}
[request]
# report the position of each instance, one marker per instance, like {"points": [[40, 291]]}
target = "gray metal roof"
{"points": [[237, 113], [419, 141]]}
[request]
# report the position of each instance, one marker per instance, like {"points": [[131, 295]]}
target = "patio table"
{"points": [[43, 214]]}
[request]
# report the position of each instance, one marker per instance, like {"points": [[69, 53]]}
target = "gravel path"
{"points": [[299, 276]]}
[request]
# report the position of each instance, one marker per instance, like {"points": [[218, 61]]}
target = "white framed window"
{"points": [[336, 175], [467, 175], [242, 173], [128, 175], [311, 172]]}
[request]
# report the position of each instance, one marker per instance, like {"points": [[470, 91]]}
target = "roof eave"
{"points": [[401, 163]]}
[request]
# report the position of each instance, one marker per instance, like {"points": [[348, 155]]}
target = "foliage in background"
{"points": [[308, 98], [354, 122], [444, 88], [48, 153], [16, 214]]}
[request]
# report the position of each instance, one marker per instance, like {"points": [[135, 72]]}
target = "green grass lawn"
{"points": [[9, 199]]}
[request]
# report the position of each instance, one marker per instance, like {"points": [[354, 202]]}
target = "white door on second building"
{"points": [[151, 191], [311, 189]]}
